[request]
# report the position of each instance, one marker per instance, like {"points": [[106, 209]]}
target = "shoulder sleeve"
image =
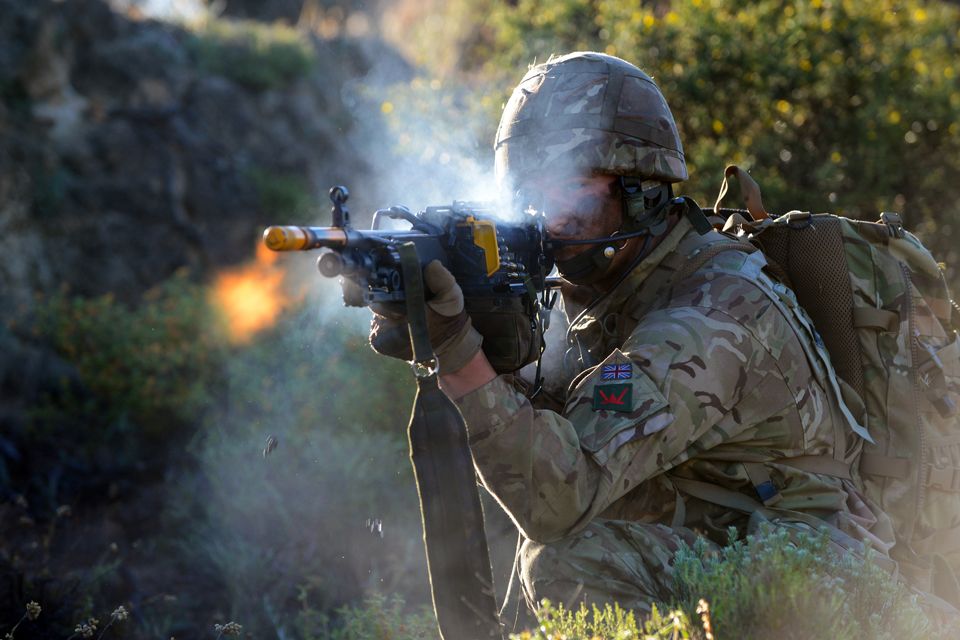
{"points": [[614, 404]]}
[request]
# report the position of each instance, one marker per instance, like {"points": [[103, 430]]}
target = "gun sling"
{"points": [[458, 560]]}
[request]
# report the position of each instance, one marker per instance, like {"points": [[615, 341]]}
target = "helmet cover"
{"points": [[587, 113]]}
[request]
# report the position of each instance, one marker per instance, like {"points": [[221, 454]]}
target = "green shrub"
{"points": [[268, 536], [770, 587], [607, 623], [153, 364], [256, 55]]}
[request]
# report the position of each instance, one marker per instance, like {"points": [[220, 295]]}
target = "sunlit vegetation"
{"points": [[763, 588]]}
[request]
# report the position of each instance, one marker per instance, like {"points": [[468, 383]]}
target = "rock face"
{"points": [[125, 156], [122, 160]]}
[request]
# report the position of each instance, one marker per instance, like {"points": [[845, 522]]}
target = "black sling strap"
{"points": [[458, 560]]}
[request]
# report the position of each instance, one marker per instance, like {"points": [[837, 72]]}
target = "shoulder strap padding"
{"points": [[815, 261]]}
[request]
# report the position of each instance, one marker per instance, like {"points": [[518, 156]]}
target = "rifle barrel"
{"points": [[291, 238]]}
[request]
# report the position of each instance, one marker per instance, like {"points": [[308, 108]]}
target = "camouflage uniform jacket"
{"points": [[714, 375]]}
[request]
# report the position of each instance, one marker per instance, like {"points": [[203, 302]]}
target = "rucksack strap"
{"points": [[876, 464], [760, 478], [715, 494], [821, 465], [870, 318]]}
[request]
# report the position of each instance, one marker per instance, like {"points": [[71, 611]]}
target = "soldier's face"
{"points": [[577, 208]]}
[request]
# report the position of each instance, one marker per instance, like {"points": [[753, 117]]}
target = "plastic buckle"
{"points": [[768, 494], [894, 224]]}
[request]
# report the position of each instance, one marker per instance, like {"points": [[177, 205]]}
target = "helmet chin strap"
{"points": [[644, 214]]}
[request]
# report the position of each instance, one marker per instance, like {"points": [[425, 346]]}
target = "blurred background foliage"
{"points": [[160, 420]]}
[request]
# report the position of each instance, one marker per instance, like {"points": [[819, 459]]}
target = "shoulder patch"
{"points": [[613, 397], [608, 413]]}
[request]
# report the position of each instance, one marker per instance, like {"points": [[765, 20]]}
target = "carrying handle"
{"points": [[750, 190]]}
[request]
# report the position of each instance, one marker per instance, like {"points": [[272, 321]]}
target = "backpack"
{"points": [[880, 302]]}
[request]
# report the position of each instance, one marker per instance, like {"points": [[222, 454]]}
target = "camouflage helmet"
{"points": [[588, 113]]}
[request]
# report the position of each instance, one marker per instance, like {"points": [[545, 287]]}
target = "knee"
{"points": [[598, 565]]}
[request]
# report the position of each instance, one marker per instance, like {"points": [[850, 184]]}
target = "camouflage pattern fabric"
{"points": [[638, 138], [718, 373], [906, 424], [607, 562]]}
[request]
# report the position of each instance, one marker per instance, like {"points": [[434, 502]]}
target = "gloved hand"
{"points": [[452, 336]]}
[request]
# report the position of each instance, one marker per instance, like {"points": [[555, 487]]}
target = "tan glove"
{"points": [[452, 336]]}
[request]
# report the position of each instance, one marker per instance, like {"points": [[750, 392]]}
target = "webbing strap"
{"points": [[943, 355], [458, 559], [611, 98], [760, 478], [716, 494], [875, 464], [870, 318], [821, 465], [680, 511], [416, 303], [750, 190]]}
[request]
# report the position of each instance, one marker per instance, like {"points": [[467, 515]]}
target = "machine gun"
{"points": [[501, 265]]}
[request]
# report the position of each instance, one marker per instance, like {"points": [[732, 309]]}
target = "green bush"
{"points": [[153, 364], [256, 55], [769, 586]]}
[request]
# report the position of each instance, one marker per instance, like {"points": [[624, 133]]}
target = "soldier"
{"points": [[704, 398]]}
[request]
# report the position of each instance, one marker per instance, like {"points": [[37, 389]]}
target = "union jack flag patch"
{"points": [[616, 372]]}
